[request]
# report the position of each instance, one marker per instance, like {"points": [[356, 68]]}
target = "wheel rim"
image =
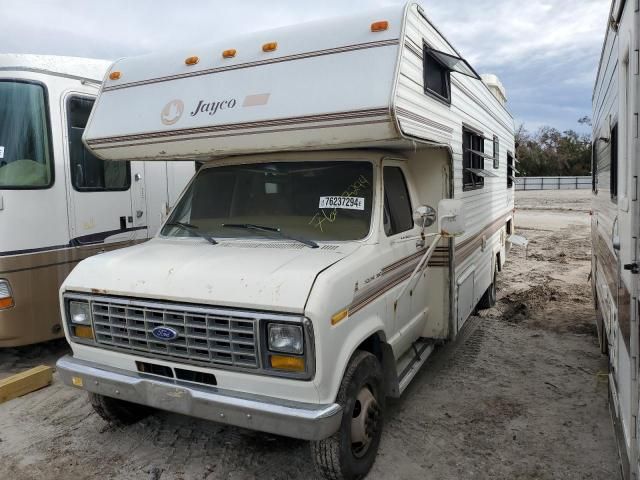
{"points": [[364, 422]]}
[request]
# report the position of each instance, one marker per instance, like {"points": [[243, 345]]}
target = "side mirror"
{"points": [[451, 221], [424, 216]]}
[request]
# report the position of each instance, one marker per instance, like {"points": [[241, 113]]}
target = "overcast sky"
{"points": [[546, 52]]}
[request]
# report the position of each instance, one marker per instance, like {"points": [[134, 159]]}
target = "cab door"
{"points": [[100, 193], [403, 251]]}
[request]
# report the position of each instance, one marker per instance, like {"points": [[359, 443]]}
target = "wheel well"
{"points": [[373, 345], [376, 344]]}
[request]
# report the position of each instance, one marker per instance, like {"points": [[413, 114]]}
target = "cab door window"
{"points": [[398, 216], [89, 173]]}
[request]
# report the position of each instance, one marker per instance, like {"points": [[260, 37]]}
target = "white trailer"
{"points": [[302, 277], [615, 224], [58, 203]]}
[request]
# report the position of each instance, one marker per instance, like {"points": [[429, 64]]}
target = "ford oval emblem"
{"points": [[164, 333]]}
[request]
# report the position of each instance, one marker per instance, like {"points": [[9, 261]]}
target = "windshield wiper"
{"points": [[267, 229], [193, 229]]}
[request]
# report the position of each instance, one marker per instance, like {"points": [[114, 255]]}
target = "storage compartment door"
{"points": [[465, 287]]}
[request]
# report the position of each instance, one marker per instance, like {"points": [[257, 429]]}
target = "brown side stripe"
{"points": [[608, 264], [235, 134], [367, 296], [465, 249], [423, 120], [328, 117], [287, 58]]}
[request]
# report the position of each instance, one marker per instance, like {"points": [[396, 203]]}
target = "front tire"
{"points": [[118, 412], [350, 453]]}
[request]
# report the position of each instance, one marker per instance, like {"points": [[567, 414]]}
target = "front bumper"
{"points": [[267, 414]]}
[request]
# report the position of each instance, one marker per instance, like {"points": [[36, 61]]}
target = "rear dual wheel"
{"points": [[488, 300], [350, 453]]}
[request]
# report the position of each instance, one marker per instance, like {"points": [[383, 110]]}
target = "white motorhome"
{"points": [[58, 203], [615, 224], [302, 276]]}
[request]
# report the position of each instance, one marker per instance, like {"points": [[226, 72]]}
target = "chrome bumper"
{"points": [[267, 414]]}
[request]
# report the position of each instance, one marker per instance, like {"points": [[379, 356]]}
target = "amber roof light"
{"points": [[380, 26]]}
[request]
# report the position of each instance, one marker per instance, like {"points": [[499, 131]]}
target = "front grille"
{"points": [[204, 336]]}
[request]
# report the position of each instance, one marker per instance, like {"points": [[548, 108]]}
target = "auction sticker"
{"points": [[346, 203]]}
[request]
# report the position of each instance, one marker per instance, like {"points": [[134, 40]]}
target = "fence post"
{"points": [[542, 184], [558, 183]]}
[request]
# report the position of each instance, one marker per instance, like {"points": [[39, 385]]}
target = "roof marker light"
{"points": [[115, 75], [269, 46], [229, 53], [380, 26], [191, 60]]}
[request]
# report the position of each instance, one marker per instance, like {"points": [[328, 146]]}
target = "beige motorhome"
{"points": [[59, 204]]}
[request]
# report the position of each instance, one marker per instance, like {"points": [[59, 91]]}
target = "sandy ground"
{"points": [[522, 394]]}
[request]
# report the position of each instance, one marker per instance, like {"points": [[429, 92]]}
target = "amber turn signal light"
{"points": [[379, 26], [270, 46], [285, 362], [338, 317], [82, 331], [191, 60], [6, 302], [115, 75]]}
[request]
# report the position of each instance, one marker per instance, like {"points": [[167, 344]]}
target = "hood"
{"points": [[259, 275]]}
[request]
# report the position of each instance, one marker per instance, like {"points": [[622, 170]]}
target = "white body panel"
{"points": [[616, 219]]}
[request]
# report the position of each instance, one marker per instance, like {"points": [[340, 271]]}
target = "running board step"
{"points": [[418, 353]]}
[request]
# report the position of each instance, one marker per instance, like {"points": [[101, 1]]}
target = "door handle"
{"points": [[137, 177], [139, 213]]}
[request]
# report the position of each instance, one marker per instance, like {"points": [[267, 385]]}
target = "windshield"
{"points": [[310, 200], [25, 160]]}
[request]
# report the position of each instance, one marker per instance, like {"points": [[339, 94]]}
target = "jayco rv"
{"points": [[58, 203], [615, 222], [305, 274]]}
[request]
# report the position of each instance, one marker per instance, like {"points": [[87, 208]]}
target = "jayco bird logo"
{"points": [[172, 112]]}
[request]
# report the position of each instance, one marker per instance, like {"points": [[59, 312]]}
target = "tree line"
{"points": [[549, 152]]}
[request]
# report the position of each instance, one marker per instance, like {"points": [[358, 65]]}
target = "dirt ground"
{"points": [[522, 394]]}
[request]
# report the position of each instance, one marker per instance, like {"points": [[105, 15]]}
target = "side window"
{"points": [[496, 152], [398, 216], [472, 160], [594, 168], [509, 170], [437, 77], [614, 163], [88, 173]]}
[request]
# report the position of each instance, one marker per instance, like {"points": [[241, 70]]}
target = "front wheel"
{"points": [[350, 452], [116, 411]]}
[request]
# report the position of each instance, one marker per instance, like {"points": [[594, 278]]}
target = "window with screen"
{"points": [[398, 215], [437, 77], [496, 152], [472, 159], [89, 173], [613, 179], [509, 170]]}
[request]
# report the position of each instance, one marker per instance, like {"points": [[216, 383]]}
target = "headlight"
{"points": [[79, 312], [6, 299], [286, 338]]}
